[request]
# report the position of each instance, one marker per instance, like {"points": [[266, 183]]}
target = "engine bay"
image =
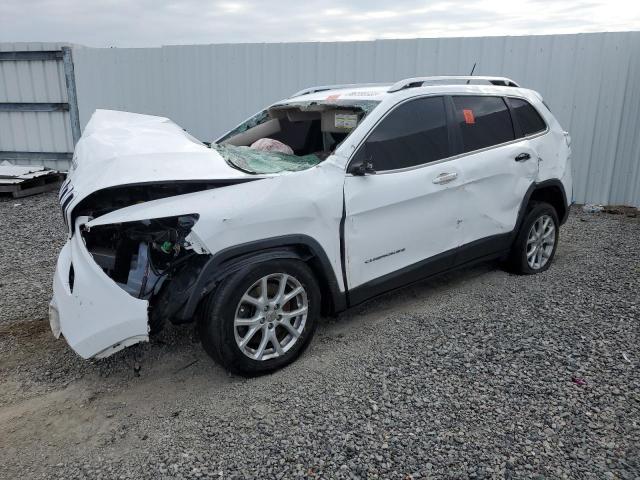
{"points": [[139, 256]]}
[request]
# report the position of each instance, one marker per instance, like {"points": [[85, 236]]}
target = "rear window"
{"points": [[484, 121], [527, 117]]}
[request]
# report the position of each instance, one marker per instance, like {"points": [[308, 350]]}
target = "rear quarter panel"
{"points": [[554, 151]]}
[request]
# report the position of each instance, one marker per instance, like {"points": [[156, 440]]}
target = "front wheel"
{"points": [[261, 317], [537, 240]]}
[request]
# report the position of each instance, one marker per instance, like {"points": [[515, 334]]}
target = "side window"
{"points": [[484, 121], [528, 117], [412, 134]]}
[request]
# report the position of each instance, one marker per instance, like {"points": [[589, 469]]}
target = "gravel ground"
{"points": [[478, 374], [31, 236]]}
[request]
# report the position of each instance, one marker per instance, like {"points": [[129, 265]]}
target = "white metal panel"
{"points": [[34, 81], [56, 164], [589, 81]]}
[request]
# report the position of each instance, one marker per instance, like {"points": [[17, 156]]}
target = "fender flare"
{"points": [[554, 182], [232, 259]]}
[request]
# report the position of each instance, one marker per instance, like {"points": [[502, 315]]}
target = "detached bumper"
{"points": [[95, 316]]}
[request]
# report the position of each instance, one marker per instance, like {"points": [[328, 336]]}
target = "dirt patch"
{"points": [[25, 330], [630, 212]]}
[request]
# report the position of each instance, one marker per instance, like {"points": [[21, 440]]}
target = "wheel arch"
{"points": [[298, 247], [550, 191]]}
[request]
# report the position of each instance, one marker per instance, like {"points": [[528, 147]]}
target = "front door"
{"points": [[405, 217]]}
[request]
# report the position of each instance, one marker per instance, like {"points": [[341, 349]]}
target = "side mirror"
{"points": [[364, 168]]}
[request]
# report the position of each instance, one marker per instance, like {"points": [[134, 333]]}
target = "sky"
{"points": [[144, 23]]}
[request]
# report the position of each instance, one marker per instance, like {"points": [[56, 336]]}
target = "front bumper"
{"points": [[95, 316]]}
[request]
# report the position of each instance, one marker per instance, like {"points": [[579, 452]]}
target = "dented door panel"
{"points": [[493, 188]]}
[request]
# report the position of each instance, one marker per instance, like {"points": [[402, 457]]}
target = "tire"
{"points": [[519, 261], [227, 317]]}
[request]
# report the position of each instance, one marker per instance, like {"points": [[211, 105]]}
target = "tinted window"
{"points": [[529, 119], [484, 121], [412, 134]]}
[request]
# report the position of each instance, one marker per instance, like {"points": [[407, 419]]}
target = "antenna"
{"points": [[471, 74]]}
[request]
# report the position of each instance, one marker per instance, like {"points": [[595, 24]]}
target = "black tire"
{"points": [[517, 262], [216, 323]]}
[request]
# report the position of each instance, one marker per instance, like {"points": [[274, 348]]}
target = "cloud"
{"points": [[128, 23]]}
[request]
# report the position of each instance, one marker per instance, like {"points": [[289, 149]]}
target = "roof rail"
{"points": [[322, 88], [420, 81]]}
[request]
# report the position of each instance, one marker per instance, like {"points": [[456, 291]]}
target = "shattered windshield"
{"points": [[291, 136], [255, 161]]}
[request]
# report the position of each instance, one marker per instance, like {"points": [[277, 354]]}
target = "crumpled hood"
{"points": [[121, 148]]}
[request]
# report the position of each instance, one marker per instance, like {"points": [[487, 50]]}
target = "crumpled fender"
{"points": [[258, 210]]}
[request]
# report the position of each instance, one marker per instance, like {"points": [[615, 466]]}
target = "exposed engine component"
{"points": [[139, 256]]}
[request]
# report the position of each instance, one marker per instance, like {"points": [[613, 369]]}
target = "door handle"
{"points": [[522, 157], [445, 178]]}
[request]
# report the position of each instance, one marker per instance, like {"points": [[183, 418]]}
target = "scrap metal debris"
{"points": [[592, 208], [24, 180]]}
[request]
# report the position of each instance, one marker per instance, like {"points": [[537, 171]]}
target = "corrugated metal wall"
{"points": [[34, 81], [590, 81]]}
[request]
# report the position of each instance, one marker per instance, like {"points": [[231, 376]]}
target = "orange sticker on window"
{"points": [[468, 116]]}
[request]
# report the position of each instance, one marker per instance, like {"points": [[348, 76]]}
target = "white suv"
{"points": [[315, 204]]}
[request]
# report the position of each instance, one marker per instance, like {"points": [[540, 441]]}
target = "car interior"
{"points": [[316, 129]]}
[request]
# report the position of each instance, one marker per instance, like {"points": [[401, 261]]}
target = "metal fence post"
{"points": [[72, 98]]}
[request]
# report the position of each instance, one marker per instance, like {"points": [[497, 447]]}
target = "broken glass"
{"points": [[257, 161]]}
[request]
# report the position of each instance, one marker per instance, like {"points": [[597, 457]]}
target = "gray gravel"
{"points": [[31, 236], [478, 374]]}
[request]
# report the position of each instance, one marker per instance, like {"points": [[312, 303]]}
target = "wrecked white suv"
{"points": [[357, 190]]}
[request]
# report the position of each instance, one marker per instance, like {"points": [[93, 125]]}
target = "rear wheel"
{"points": [[536, 242], [261, 317]]}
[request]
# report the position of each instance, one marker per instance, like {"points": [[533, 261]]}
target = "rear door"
{"points": [[497, 169], [401, 221], [529, 124]]}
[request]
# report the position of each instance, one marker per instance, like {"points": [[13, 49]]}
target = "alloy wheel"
{"points": [[540, 242], [271, 316]]}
